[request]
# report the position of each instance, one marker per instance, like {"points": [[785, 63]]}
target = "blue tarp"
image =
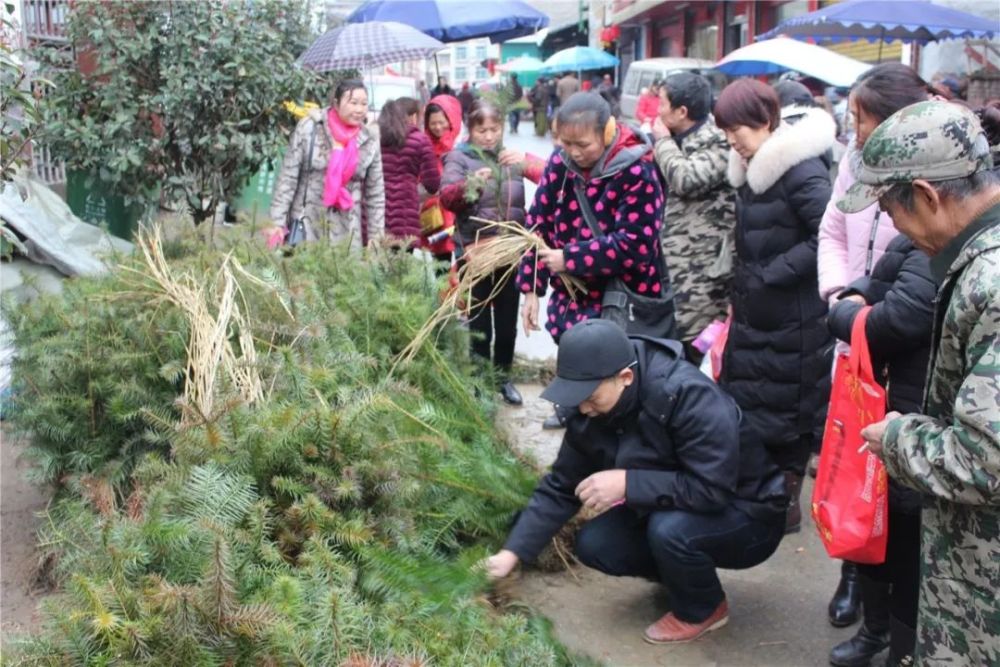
{"points": [[912, 21]]}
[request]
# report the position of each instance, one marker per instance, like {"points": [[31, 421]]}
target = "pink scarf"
{"points": [[343, 162]]}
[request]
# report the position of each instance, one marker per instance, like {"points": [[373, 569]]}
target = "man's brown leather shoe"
{"points": [[672, 630]]}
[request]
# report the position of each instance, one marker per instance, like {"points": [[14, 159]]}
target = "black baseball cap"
{"points": [[589, 353]]}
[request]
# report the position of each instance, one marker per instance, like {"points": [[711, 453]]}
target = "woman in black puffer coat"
{"points": [[778, 354], [901, 291]]}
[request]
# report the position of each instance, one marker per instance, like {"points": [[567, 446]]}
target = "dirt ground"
{"points": [[20, 503], [777, 610]]}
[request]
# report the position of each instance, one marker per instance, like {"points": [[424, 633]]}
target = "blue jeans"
{"points": [[515, 119], [679, 549]]}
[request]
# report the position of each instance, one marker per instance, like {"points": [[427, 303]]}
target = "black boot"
{"points": [[873, 635], [556, 420], [510, 394], [845, 605], [902, 644], [793, 518]]}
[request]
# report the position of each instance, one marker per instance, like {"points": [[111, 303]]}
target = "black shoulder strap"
{"points": [[591, 220], [308, 166]]}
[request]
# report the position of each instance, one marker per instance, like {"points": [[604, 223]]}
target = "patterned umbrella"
{"points": [[366, 45], [457, 20]]}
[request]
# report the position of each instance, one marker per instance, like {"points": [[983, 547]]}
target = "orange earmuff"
{"points": [[609, 131]]}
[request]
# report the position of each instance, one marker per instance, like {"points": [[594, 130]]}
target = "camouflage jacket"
{"points": [[366, 187], [698, 223], [952, 455]]}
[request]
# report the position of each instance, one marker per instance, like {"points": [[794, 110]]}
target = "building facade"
{"points": [[709, 30]]}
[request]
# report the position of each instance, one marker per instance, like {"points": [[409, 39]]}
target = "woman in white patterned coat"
{"points": [[332, 172]]}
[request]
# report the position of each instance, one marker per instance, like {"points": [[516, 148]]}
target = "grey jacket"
{"points": [[366, 186], [503, 201]]}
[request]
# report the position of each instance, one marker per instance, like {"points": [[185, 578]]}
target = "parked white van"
{"points": [[642, 73], [384, 87]]}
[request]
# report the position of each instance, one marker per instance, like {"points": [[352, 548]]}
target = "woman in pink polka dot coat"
{"points": [[624, 192]]}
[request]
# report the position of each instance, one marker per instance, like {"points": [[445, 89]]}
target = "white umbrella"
{"points": [[782, 54]]}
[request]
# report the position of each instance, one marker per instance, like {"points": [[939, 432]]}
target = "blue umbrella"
{"points": [[886, 20], [579, 58], [456, 20], [521, 65]]}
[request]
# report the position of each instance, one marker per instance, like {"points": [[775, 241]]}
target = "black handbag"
{"points": [[297, 226], [637, 314]]}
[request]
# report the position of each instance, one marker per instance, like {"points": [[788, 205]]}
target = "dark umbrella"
{"points": [[886, 20], [456, 20], [366, 45]]}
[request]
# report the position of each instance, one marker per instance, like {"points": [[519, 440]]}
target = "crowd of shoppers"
{"points": [[741, 208]]}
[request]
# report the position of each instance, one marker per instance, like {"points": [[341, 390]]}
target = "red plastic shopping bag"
{"points": [[851, 497]]}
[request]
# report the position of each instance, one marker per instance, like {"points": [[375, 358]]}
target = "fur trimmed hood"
{"points": [[810, 136]]}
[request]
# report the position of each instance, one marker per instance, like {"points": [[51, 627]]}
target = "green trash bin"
{"points": [[255, 198], [99, 205]]}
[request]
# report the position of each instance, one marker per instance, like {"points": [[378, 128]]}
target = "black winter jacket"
{"points": [[901, 291], [675, 434], [778, 354]]}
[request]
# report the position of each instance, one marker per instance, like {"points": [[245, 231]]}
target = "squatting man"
{"points": [[653, 449]]}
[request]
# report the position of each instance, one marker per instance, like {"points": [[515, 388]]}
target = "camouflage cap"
{"points": [[933, 141]]}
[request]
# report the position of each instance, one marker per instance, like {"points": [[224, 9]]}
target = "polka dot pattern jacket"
{"points": [[625, 194]]}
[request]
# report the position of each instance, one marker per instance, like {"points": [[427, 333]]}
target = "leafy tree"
{"points": [[18, 109], [186, 96]]}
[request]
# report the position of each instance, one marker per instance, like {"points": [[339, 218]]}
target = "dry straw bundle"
{"points": [[209, 346], [481, 261]]}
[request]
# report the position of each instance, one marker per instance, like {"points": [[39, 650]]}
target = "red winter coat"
{"points": [[648, 108], [442, 146], [402, 169]]}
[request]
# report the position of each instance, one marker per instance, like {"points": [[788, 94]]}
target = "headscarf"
{"points": [[453, 111]]}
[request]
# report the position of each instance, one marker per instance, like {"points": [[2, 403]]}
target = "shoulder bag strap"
{"points": [[870, 256], [591, 220], [304, 171]]}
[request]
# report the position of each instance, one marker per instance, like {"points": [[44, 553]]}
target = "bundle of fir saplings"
{"points": [[241, 481]]}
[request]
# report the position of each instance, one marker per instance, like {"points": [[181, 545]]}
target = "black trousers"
{"points": [[442, 264], [493, 322], [794, 456], [679, 549], [901, 569]]}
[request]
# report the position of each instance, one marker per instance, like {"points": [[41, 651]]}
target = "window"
{"points": [[461, 74], [481, 73], [705, 42], [737, 30], [646, 79], [791, 9], [480, 53], [461, 53], [444, 60]]}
